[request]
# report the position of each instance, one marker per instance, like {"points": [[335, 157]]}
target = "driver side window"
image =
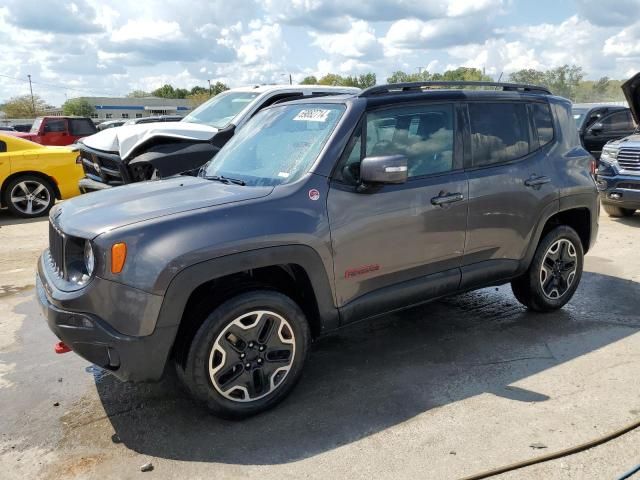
{"points": [[424, 134]]}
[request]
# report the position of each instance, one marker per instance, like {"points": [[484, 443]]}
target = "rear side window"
{"points": [[81, 126], [55, 126], [499, 132], [3, 146], [543, 123]]}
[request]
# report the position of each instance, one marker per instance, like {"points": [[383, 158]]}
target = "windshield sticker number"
{"points": [[312, 115]]}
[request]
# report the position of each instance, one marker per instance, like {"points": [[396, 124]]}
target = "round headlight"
{"points": [[89, 259]]}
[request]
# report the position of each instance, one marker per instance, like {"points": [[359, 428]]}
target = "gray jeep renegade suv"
{"points": [[319, 213]]}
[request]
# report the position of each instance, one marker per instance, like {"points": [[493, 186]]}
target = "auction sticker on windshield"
{"points": [[313, 115]]}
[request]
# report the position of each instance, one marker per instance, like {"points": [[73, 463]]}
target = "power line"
{"points": [[62, 87]]}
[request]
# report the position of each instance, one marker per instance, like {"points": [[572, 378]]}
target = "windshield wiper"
{"points": [[226, 180]]}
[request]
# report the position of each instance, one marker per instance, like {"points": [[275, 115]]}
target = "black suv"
{"points": [[316, 214], [599, 124]]}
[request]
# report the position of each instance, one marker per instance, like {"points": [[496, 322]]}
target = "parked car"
{"points": [[58, 131], [22, 127], [134, 153], [5, 128], [154, 119], [318, 213], [618, 175], [600, 123], [32, 176], [109, 124]]}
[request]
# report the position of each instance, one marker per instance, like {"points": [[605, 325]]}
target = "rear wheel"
{"points": [[554, 273], [29, 196], [615, 211], [248, 354]]}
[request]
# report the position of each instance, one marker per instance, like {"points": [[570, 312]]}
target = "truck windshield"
{"points": [[277, 146], [221, 109]]}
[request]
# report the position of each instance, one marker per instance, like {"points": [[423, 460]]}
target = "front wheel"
{"points": [[248, 354], [29, 196], [554, 273]]}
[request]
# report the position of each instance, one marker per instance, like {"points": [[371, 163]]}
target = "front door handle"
{"points": [[445, 198], [535, 181]]}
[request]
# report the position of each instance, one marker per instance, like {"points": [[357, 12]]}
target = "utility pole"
{"points": [[290, 80], [33, 103], [210, 92]]}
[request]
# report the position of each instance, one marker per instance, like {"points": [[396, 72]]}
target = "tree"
{"points": [[361, 81], [138, 94], [77, 106], [197, 99], [310, 80], [22, 107], [165, 91], [218, 87], [461, 74], [198, 90], [563, 81]]}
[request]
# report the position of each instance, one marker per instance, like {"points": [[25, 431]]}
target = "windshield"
{"points": [[278, 145], [220, 110]]}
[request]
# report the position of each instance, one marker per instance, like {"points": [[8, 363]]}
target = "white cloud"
{"points": [[359, 42]]}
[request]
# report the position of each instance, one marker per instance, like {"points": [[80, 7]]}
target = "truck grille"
{"points": [[56, 249], [101, 169], [629, 159]]}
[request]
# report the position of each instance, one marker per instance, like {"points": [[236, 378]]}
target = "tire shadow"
{"points": [[377, 374]]}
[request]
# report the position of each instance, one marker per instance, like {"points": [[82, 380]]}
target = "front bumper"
{"points": [[620, 190], [87, 185], [128, 357]]}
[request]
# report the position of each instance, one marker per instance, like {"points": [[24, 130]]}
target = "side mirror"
{"points": [[390, 169]]}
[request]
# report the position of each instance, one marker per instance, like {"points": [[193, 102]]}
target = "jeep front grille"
{"points": [[56, 249], [629, 159]]}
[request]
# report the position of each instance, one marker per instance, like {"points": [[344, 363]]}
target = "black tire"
{"points": [[528, 288], [197, 376], [37, 206], [615, 211]]}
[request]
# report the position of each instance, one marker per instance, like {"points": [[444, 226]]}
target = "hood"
{"points": [[125, 139], [25, 135], [631, 90], [88, 216]]}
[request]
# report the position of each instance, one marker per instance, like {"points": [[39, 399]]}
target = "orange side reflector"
{"points": [[118, 257]]}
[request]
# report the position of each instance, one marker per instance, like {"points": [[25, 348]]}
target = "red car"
{"points": [[58, 130]]}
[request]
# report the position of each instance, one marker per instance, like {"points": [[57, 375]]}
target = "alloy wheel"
{"points": [[30, 197], [558, 268], [252, 356]]}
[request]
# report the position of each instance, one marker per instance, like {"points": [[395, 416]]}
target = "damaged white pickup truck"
{"points": [[134, 153]]}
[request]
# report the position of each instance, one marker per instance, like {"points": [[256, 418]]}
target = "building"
{"points": [[112, 108]]}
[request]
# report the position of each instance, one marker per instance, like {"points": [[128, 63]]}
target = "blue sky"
{"points": [[108, 47]]}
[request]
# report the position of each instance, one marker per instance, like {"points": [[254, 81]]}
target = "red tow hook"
{"points": [[61, 347]]}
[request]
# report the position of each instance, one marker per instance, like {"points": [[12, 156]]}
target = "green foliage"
{"points": [[199, 95], [218, 87], [564, 81], [361, 81], [310, 80], [462, 74], [138, 94], [22, 107], [77, 106]]}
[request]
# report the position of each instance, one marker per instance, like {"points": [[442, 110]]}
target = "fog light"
{"points": [[615, 196]]}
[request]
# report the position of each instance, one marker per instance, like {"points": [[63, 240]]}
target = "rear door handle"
{"points": [[444, 199], [534, 181]]}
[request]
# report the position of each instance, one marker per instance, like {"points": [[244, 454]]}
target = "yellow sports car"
{"points": [[32, 176]]}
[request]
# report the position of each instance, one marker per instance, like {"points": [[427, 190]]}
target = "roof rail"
{"points": [[419, 86]]}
